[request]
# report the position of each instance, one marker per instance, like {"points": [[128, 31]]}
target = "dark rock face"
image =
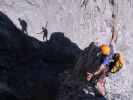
{"points": [[29, 68], [89, 60], [73, 85], [34, 70]]}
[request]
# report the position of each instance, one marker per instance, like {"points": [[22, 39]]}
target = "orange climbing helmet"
{"points": [[105, 49]]}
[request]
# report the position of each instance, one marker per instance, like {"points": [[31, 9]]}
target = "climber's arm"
{"points": [[103, 66], [114, 31], [40, 32], [99, 71]]}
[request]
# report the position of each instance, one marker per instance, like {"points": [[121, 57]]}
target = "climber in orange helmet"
{"points": [[107, 51]]}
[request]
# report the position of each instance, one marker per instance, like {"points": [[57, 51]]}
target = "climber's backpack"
{"points": [[116, 63]]}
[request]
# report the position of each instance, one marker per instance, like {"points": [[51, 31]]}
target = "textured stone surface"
{"points": [[29, 68], [83, 21]]}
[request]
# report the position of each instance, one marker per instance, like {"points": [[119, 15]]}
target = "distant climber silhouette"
{"points": [[23, 24], [44, 32]]}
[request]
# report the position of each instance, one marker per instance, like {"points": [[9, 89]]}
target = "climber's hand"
{"points": [[89, 76]]}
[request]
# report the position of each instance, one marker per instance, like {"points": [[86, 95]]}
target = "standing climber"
{"points": [[107, 51], [23, 24], [44, 32]]}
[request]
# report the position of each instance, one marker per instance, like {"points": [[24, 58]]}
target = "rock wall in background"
{"points": [[82, 21]]}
